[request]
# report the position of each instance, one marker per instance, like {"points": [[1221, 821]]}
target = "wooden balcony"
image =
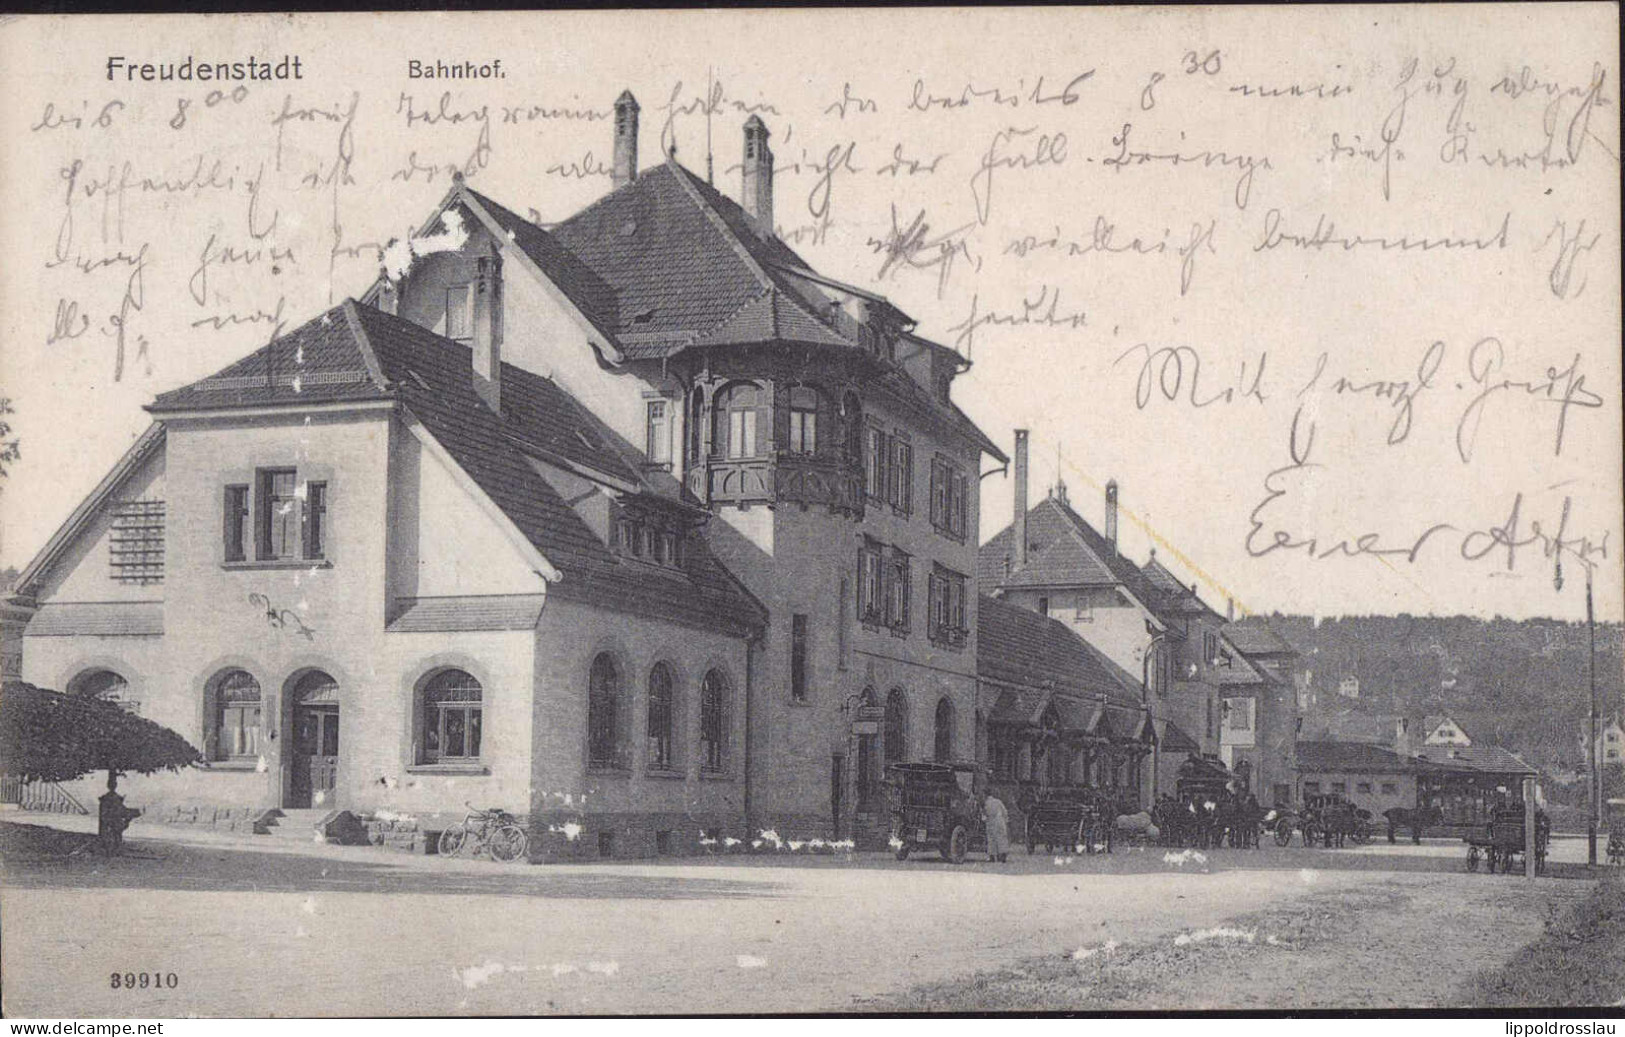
{"points": [[785, 479]]}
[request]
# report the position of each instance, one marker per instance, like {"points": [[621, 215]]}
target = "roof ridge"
{"points": [[756, 266], [718, 223], [375, 370]]}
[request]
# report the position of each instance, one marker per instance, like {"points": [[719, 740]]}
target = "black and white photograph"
{"points": [[840, 512]]}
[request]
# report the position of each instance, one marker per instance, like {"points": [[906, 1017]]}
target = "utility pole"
{"points": [[1594, 765], [1529, 834], [1595, 813]]}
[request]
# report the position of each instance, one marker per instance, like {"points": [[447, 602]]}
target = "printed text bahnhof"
{"points": [[250, 69]]}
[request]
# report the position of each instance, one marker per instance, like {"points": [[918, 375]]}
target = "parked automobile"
{"points": [[936, 806]]}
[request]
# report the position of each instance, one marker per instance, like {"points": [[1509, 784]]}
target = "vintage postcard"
{"points": [[812, 511]]}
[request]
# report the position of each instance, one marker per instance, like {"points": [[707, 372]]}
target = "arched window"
{"points": [[662, 719], [803, 432], [714, 722], [943, 740], [894, 744], [603, 713], [453, 718], [107, 685], [235, 724], [738, 421]]}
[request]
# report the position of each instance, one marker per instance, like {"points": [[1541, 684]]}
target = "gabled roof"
{"points": [[144, 447], [1023, 649], [1173, 738], [1176, 595], [1353, 757], [318, 362], [591, 294], [682, 259], [1063, 551], [490, 449], [1254, 636], [429, 376], [666, 263], [1432, 723]]}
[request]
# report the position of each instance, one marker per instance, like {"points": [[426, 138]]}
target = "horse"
{"points": [[1415, 819], [1244, 819]]}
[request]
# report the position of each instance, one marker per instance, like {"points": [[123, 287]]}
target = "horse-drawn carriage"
{"points": [[1330, 820], [1502, 842], [1070, 818], [1282, 822], [1206, 811]]}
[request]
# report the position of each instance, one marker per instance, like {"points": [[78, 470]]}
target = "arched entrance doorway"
{"points": [[314, 748]]}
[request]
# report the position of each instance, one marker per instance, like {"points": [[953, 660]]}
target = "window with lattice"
{"points": [[136, 544]]}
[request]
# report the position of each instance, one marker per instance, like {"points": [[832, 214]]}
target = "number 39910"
{"points": [[143, 980]]}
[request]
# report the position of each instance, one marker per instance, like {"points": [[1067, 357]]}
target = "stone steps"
{"points": [[290, 824]]}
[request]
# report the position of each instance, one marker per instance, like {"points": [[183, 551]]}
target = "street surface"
{"points": [[289, 930]]}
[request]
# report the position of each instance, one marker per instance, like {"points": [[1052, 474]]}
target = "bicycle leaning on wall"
{"points": [[494, 830]]}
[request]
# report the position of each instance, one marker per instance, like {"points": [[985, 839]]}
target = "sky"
{"points": [[1340, 318]]}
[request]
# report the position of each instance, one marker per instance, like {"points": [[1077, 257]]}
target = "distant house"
{"points": [[1610, 740], [1349, 687], [1260, 706], [1442, 730], [1207, 694], [1370, 776]]}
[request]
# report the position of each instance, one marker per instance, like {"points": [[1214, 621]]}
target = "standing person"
{"points": [[998, 828]]}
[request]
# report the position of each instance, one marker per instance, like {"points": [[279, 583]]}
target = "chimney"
{"points": [[488, 330], [1018, 532], [389, 296], [1230, 610], [756, 194], [626, 140], [1111, 513]]}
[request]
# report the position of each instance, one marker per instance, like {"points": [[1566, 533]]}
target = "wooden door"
{"points": [[315, 755]]}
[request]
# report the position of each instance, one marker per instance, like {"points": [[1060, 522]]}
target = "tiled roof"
{"points": [[679, 255], [469, 612], [591, 294], [317, 362], [487, 447], [771, 317], [1022, 648], [430, 376], [1175, 593], [1254, 636], [1063, 551], [1237, 675], [1359, 757], [1488, 759], [672, 264], [99, 619]]}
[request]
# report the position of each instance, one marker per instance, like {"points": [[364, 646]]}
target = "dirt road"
{"points": [[359, 932]]}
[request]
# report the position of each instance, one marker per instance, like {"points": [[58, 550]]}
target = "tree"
{"points": [[48, 736]]}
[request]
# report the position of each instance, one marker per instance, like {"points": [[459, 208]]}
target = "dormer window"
{"points": [[649, 539]]}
